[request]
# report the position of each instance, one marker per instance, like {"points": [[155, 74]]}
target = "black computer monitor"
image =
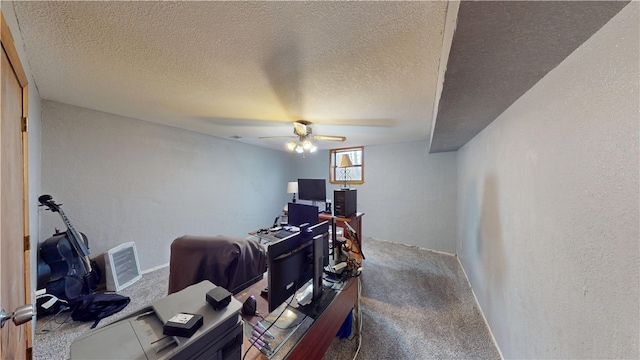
{"points": [[321, 229], [298, 214], [295, 260], [312, 189], [290, 265], [320, 260]]}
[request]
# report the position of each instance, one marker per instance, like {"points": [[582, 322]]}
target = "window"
{"points": [[353, 174]]}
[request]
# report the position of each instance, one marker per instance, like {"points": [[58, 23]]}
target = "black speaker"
{"points": [[344, 202]]}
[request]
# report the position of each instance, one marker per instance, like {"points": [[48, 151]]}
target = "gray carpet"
{"points": [[415, 304]]}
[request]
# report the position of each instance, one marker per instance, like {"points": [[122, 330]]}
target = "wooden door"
{"points": [[15, 341]]}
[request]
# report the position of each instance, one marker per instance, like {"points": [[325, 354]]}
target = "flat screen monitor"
{"points": [[320, 260], [290, 266], [312, 189], [298, 214], [321, 229]]}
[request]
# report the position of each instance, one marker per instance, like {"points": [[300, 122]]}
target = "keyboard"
{"points": [[282, 234]]}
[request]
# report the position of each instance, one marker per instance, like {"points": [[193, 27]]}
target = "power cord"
{"points": [[359, 319], [54, 319]]}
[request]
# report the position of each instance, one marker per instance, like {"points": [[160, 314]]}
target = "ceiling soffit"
{"points": [[499, 51]]}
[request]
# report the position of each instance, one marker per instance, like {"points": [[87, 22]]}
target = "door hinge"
{"points": [[25, 125], [27, 243]]}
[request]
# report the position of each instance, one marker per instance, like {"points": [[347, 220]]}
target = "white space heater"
{"points": [[121, 266]]}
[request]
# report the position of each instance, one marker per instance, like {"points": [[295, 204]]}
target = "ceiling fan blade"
{"points": [[358, 122], [329, 137], [237, 122], [278, 137]]}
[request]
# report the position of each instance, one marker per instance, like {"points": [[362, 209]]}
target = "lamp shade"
{"points": [[345, 162], [292, 187]]}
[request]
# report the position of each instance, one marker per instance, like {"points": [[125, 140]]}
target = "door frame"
{"points": [[6, 39]]}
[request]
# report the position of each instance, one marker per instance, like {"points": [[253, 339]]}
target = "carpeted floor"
{"points": [[415, 304]]}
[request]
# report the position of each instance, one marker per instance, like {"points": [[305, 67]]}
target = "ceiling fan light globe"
{"points": [[291, 145], [299, 149], [313, 149], [307, 144]]}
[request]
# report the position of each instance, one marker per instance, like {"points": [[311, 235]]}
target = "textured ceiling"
{"points": [[366, 70], [371, 71]]}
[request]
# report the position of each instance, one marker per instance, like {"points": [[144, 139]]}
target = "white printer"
{"points": [[140, 334]]}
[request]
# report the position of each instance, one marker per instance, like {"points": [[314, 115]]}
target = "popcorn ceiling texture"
{"points": [[365, 70], [196, 65]]}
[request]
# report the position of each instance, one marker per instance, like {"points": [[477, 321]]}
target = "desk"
{"points": [[354, 220], [318, 337]]}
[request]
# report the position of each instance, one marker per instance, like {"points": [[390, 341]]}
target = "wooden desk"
{"points": [[318, 337], [354, 220]]}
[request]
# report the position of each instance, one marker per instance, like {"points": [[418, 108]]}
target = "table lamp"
{"points": [[292, 188], [345, 163]]}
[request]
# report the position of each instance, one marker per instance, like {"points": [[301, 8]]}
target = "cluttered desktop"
{"points": [[310, 282]]}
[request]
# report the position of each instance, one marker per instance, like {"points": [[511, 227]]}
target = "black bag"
{"points": [[97, 306]]}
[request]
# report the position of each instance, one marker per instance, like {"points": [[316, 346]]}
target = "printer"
{"points": [[140, 334]]}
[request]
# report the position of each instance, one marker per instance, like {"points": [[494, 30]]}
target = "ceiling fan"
{"points": [[304, 134]]}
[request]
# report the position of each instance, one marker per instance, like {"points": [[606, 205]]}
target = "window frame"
{"points": [[333, 166]]}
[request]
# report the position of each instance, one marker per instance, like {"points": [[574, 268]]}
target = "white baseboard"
{"points": [[155, 268], [480, 307], [415, 246], [440, 252]]}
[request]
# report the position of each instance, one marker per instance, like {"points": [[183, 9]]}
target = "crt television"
{"points": [[312, 189], [294, 260]]}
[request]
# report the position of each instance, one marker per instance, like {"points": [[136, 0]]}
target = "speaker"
{"points": [[344, 202]]}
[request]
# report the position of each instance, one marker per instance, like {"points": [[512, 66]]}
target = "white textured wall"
{"points": [[408, 195], [121, 179], [548, 206]]}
